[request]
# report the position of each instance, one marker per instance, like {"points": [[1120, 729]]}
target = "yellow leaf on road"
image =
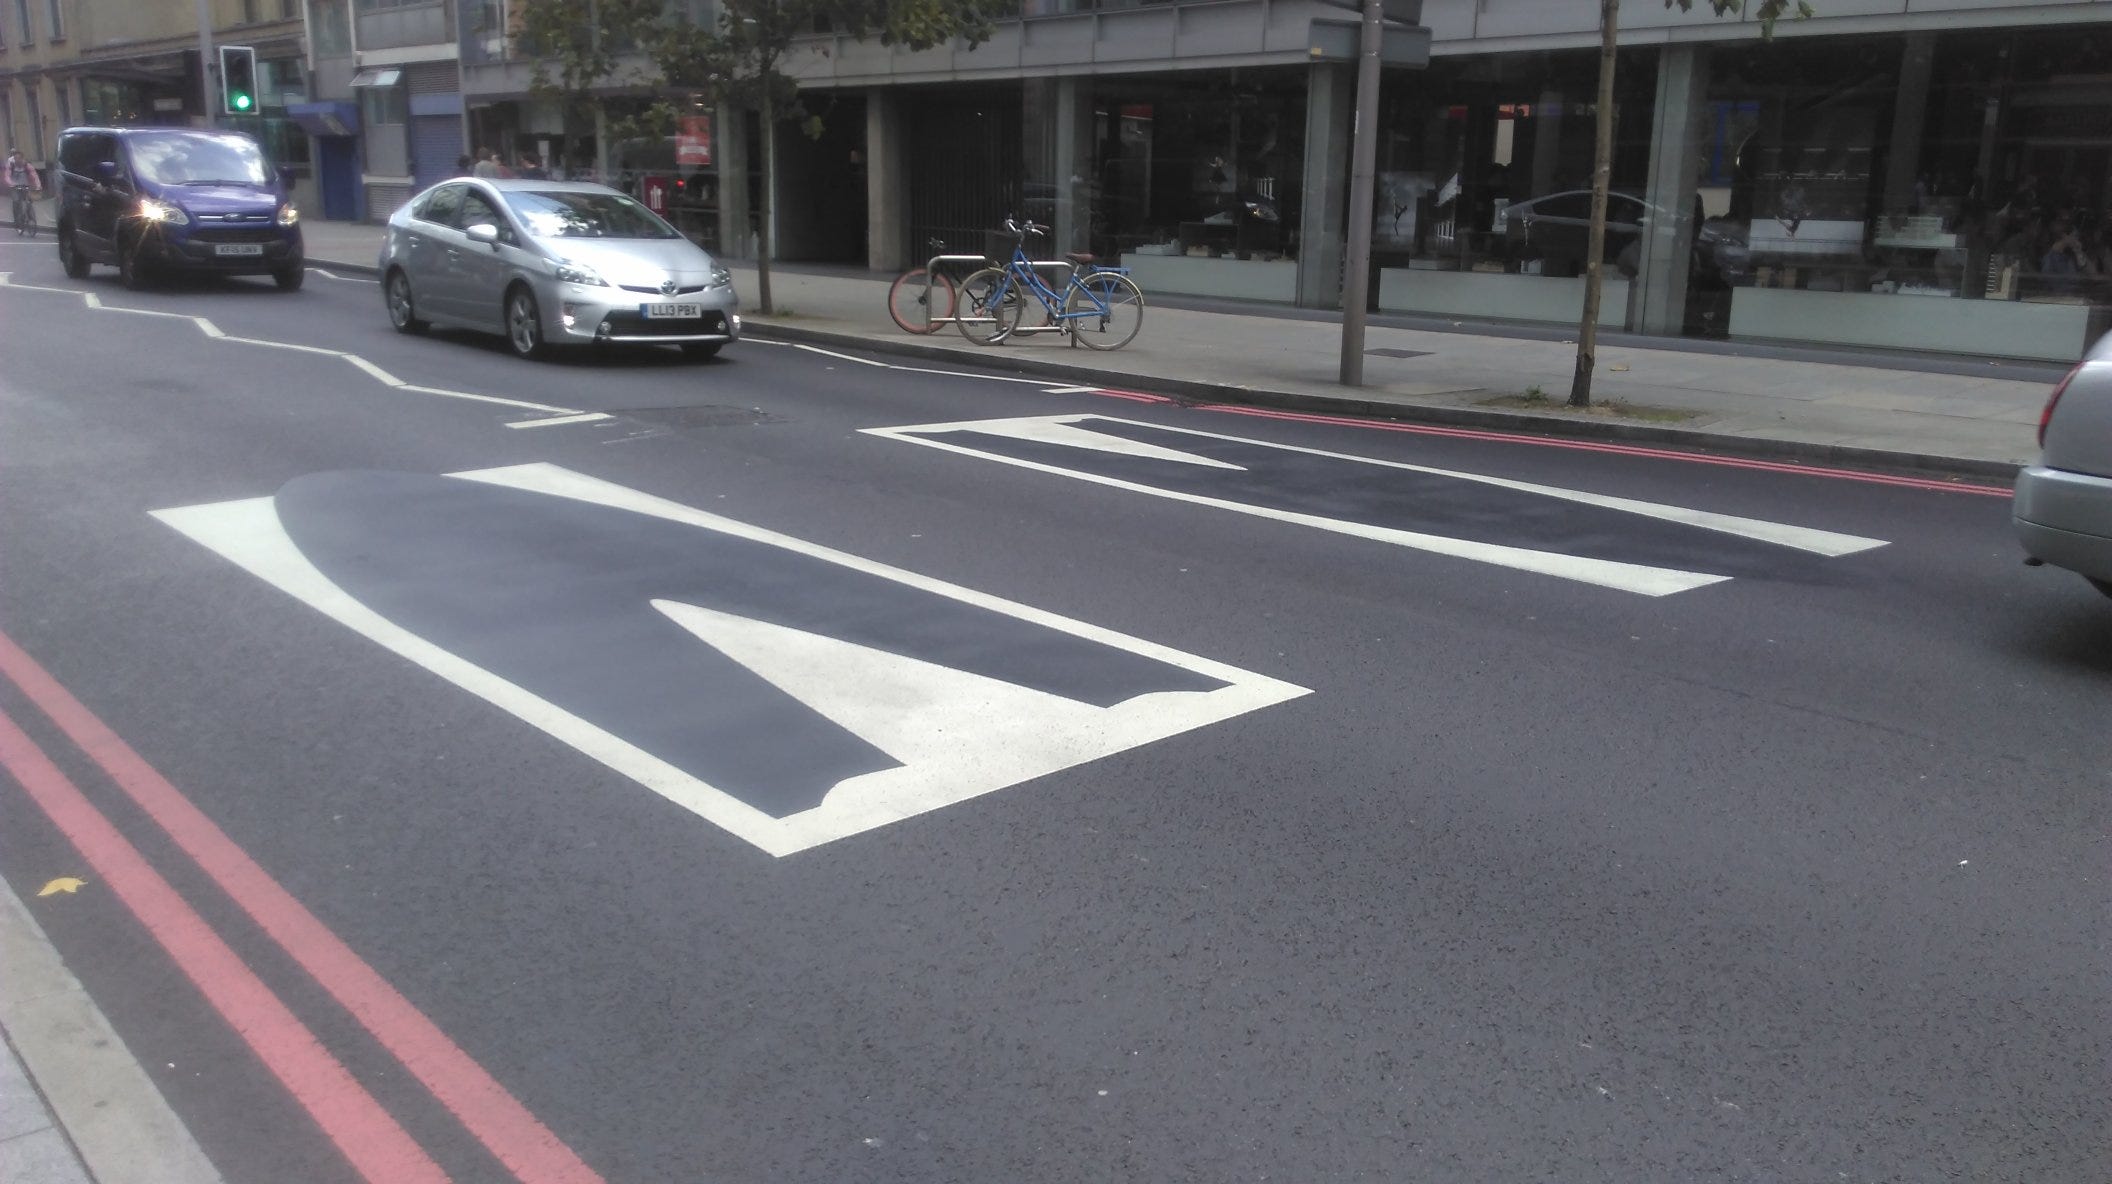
{"points": [[66, 884]]}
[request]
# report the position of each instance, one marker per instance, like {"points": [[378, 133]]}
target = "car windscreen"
{"points": [[186, 158], [555, 213]]}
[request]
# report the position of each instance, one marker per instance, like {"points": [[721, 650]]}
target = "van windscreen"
{"points": [[188, 158]]}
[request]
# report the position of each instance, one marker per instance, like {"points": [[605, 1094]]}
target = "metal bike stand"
{"points": [[931, 272]]}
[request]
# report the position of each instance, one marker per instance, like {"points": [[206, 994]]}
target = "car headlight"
{"points": [[163, 212], [579, 273], [288, 215], [721, 278]]}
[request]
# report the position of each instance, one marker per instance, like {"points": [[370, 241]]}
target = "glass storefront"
{"points": [[1484, 185], [1932, 191]]}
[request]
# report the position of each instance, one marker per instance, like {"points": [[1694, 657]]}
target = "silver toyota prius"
{"points": [[551, 263]]}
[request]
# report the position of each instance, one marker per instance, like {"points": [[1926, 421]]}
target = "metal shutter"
{"points": [[436, 141]]}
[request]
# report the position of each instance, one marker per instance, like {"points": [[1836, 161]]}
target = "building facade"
{"points": [[68, 62]]}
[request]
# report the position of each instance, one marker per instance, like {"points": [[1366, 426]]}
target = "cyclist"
{"points": [[22, 182]]}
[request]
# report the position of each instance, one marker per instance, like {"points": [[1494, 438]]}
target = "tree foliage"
{"points": [[583, 48]]}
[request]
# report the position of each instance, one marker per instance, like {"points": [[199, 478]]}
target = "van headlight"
{"points": [[288, 215], [578, 273], [165, 213], [721, 278]]}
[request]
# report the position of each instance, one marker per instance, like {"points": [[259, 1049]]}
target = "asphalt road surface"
{"points": [[802, 768]]}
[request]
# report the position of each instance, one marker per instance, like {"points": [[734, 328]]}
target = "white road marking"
{"points": [[1072, 390], [1605, 573], [1062, 430], [1818, 542], [959, 735], [558, 420], [342, 279], [212, 330]]}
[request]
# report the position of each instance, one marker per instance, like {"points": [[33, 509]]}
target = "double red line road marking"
{"points": [[362, 1130]]}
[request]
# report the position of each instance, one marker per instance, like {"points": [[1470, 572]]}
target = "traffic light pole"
{"points": [[205, 62], [1363, 153]]}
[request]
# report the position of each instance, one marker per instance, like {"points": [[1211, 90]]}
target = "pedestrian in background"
{"points": [[463, 164], [487, 164], [531, 168]]}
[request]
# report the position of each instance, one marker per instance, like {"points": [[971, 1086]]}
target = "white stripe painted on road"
{"points": [[342, 279], [957, 735], [1817, 542], [1605, 573], [1061, 430], [212, 330], [558, 420], [1072, 390]]}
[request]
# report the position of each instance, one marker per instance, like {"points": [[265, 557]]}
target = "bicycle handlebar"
{"points": [[1025, 229]]}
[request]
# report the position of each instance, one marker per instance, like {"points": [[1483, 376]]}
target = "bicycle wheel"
{"points": [[990, 304], [1105, 310], [917, 298]]}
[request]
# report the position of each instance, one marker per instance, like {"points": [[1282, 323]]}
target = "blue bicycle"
{"points": [[1099, 307]]}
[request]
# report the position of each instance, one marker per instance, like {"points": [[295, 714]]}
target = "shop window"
{"points": [[1930, 191], [1485, 171]]}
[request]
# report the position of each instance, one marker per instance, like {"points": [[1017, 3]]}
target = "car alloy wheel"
{"points": [[402, 312], [524, 324]]}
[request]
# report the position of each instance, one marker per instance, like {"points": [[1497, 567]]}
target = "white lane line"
{"points": [[556, 420], [212, 330], [1072, 390], [342, 279], [1605, 573], [1062, 430], [815, 349], [1817, 542]]}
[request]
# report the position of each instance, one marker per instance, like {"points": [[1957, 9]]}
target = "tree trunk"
{"points": [[1601, 181], [763, 207]]}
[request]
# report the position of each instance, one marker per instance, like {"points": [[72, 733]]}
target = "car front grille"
{"points": [[653, 291], [631, 324], [235, 234]]}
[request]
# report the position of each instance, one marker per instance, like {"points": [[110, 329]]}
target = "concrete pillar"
{"points": [[1909, 111], [1330, 109], [730, 150], [1547, 145], [1073, 164], [887, 246], [1657, 299]]}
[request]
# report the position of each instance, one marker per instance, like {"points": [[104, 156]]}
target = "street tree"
{"points": [[584, 49], [1767, 12], [737, 61]]}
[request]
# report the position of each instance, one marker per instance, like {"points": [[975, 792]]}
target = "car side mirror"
{"points": [[287, 176], [483, 232], [106, 169]]}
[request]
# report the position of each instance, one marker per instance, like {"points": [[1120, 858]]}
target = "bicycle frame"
{"points": [[1026, 272]]}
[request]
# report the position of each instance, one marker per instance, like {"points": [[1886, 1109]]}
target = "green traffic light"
{"points": [[241, 102]]}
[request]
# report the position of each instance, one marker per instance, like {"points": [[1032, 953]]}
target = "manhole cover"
{"points": [[1399, 353]]}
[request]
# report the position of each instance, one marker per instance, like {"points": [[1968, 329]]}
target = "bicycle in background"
{"points": [[922, 298], [25, 212], [1098, 307]]}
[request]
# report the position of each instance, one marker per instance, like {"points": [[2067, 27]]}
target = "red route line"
{"points": [[499, 1121], [1733, 462], [378, 1148]]}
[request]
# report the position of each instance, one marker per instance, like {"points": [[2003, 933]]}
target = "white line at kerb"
{"points": [[558, 420]]}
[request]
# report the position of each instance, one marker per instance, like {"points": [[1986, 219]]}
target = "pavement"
{"points": [[1911, 412]]}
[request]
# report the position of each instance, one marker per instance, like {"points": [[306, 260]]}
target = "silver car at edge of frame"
{"points": [[2063, 507], [549, 263]]}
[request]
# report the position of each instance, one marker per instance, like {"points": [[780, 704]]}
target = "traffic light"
{"points": [[238, 79]]}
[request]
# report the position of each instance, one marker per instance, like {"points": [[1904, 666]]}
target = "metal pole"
{"points": [[205, 61], [1363, 155]]}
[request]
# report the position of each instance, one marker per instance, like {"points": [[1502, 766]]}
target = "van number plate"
{"points": [[239, 249], [672, 312]]}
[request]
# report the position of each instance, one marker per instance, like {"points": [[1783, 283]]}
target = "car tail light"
{"points": [[2046, 416]]}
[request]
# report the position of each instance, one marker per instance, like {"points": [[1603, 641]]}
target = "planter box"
{"points": [[1553, 299], [1996, 328], [1236, 279]]}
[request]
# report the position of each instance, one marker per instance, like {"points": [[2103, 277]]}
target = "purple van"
{"points": [[150, 200]]}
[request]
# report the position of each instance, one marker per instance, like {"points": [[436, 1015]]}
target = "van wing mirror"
{"points": [[286, 176], [106, 169]]}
